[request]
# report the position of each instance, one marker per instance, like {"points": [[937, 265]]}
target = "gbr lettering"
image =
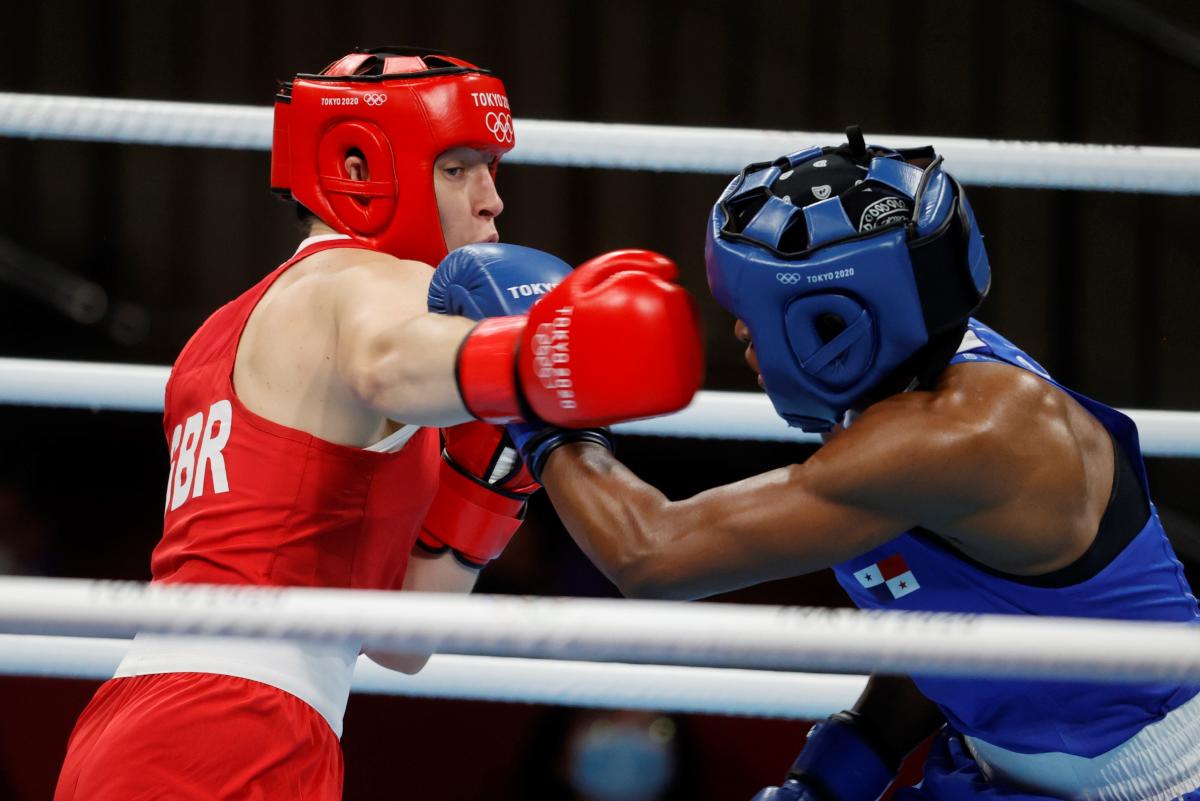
{"points": [[196, 446]]}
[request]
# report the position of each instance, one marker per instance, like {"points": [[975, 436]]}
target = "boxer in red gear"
{"points": [[302, 424]]}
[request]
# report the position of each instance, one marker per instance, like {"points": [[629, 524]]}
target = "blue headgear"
{"points": [[839, 310]]}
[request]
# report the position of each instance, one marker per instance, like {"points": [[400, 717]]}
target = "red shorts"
{"points": [[201, 737]]}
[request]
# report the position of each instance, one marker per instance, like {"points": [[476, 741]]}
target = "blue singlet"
{"points": [[916, 571]]}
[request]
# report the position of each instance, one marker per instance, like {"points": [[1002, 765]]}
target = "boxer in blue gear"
{"points": [[955, 475], [860, 293]]}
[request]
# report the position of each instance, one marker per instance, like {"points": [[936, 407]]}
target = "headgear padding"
{"points": [[399, 108], [843, 294]]}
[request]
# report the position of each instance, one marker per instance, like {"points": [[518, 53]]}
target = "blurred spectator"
{"points": [[598, 755]]}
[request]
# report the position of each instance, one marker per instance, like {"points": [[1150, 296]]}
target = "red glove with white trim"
{"points": [[615, 340]]}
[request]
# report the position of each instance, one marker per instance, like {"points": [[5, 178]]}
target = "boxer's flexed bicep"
{"points": [[957, 464], [392, 354], [1004, 465], [910, 457], [896, 468]]}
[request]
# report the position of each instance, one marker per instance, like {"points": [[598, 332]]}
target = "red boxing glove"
{"points": [[616, 340], [481, 495]]}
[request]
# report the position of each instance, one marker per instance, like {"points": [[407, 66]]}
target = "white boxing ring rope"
{"points": [[723, 415], [634, 147], [662, 688], [617, 630], [487, 642]]}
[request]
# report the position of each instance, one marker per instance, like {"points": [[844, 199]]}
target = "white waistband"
{"points": [[1159, 763], [317, 673]]}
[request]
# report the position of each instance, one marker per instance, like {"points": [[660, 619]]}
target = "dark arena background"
{"points": [[1102, 287]]}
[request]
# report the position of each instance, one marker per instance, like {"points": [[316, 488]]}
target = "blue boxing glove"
{"points": [[493, 280], [838, 763]]}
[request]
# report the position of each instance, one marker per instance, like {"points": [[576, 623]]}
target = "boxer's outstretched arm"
{"points": [[760, 529], [851, 496], [441, 369], [392, 354]]}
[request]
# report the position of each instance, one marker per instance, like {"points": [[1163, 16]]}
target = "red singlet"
{"points": [[250, 501]]}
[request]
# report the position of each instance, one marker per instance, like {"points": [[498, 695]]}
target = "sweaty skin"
{"points": [[1008, 468], [343, 347]]}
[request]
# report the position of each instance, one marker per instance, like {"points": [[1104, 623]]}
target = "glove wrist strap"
{"points": [[485, 370], [538, 448], [467, 516]]}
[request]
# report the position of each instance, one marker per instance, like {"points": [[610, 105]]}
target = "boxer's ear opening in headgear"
{"points": [[306, 217], [829, 325]]}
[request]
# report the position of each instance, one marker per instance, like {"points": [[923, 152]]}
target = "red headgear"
{"points": [[400, 108]]}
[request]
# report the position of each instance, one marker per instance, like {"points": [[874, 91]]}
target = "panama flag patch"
{"points": [[888, 579]]}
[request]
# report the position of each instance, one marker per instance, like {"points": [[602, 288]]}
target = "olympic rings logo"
{"points": [[787, 278], [374, 98], [500, 125]]}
